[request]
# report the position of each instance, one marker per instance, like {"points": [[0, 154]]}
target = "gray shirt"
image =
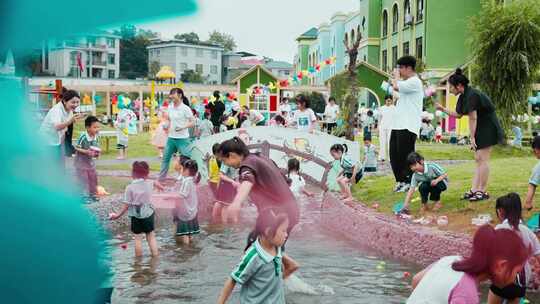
{"points": [[186, 208], [535, 176], [137, 196], [261, 276], [370, 154], [431, 172], [206, 128]]}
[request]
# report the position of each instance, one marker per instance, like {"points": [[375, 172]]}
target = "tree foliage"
{"points": [[190, 76], [133, 52], [153, 69], [223, 39], [188, 37], [506, 46]]}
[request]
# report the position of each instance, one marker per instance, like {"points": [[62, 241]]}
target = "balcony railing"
{"points": [[99, 62]]}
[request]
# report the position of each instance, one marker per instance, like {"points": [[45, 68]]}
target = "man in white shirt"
{"points": [[331, 113], [180, 119], [408, 118], [386, 117]]}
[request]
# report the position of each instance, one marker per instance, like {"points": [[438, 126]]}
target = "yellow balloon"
{"points": [[305, 73]]}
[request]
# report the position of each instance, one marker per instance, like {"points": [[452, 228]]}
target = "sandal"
{"points": [[468, 195], [479, 196]]}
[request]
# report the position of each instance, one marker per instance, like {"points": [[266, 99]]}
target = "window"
{"points": [[183, 66], [385, 23], [91, 41], [183, 50], [394, 56], [199, 68], [419, 10], [395, 19], [111, 43], [259, 102], [286, 72], [111, 74], [73, 58], [157, 53], [214, 54], [111, 58], [407, 13], [200, 53], [419, 48], [73, 72], [151, 53], [406, 50], [213, 69]]}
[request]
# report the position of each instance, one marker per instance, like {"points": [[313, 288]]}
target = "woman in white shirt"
{"points": [[304, 118], [331, 113], [58, 119], [386, 116]]}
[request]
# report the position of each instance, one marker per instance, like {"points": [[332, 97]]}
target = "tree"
{"points": [[153, 69], [190, 76], [188, 37], [317, 101], [133, 52], [223, 39], [507, 54]]}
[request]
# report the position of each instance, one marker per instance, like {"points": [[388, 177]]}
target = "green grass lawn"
{"points": [[113, 185], [507, 175]]}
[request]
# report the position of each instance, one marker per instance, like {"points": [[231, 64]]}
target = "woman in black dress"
{"points": [[485, 129]]}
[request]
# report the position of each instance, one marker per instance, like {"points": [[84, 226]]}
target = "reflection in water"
{"points": [[332, 270]]}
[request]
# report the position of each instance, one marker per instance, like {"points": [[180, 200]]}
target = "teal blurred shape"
{"points": [[25, 23], [53, 250]]}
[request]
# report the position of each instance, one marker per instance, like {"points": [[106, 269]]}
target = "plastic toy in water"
{"points": [[381, 265], [124, 246], [101, 191], [524, 301], [406, 275]]}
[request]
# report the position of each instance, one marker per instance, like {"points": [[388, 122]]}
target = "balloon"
{"points": [[300, 75], [328, 62], [138, 103], [213, 99], [318, 67], [249, 92], [97, 99], [312, 70], [305, 73]]}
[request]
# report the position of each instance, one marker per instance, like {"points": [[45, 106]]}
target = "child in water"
{"points": [[508, 210], [298, 184], [139, 207], [349, 173], [261, 271], [186, 208]]}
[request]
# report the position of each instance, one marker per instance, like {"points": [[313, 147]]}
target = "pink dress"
{"points": [[159, 140]]}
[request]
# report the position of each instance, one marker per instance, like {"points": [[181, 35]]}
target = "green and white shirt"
{"points": [[431, 172], [261, 276], [347, 164], [85, 142], [535, 176]]}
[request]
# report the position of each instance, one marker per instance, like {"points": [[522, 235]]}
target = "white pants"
{"points": [[384, 143]]}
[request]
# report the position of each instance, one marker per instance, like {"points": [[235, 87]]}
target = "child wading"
{"points": [[508, 210], [350, 172], [139, 207], [297, 183], [86, 149], [262, 270], [430, 179], [185, 211]]}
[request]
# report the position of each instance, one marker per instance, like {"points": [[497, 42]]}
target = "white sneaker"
{"points": [[404, 187], [397, 187]]}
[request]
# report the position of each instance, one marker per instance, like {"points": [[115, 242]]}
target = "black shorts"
{"points": [[357, 178], [370, 169], [145, 225], [514, 291]]}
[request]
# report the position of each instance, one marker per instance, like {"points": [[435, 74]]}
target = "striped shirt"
{"points": [[261, 276], [431, 172], [347, 164], [85, 142]]}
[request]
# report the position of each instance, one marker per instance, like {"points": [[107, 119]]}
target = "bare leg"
{"points": [[494, 299], [475, 186], [341, 187], [152, 243], [216, 212], [347, 189], [437, 206], [138, 245], [185, 239], [483, 168]]}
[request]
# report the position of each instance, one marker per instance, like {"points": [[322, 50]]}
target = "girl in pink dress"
{"points": [[160, 135]]}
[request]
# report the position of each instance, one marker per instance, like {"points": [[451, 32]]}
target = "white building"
{"points": [[202, 58], [281, 69], [95, 55]]}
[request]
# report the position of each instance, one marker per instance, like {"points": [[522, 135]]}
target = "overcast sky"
{"points": [[267, 28]]}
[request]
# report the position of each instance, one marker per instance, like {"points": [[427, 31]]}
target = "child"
{"points": [[508, 209], [534, 181], [349, 170], [206, 128], [223, 127], [139, 207], [86, 149], [438, 133], [226, 190], [160, 136], [298, 184], [263, 267], [185, 212], [213, 170], [430, 178], [370, 156]]}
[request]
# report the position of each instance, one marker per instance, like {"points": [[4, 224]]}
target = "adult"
{"points": [[304, 118], [216, 108], [497, 255], [406, 126], [179, 119], [58, 119], [484, 128], [285, 108], [255, 117], [331, 113], [386, 118]]}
